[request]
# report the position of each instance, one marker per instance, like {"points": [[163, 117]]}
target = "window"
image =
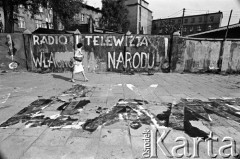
{"points": [[185, 20], [40, 9], [50, 25], [209, 27], [61, 27], [38, 23], [191, 29], [173, 21], [44, 25], [193, 20], [50, 11], [87, 17], [199, 28], [20, 6], [82, 17], [179, 21], [184, 29], [21, 22], [211, 18], [200, 19]]}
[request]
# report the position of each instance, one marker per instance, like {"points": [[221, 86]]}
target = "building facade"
{"points": [[25, 21], [191, 24], [2, 21], [87, 13], [140, 16]]}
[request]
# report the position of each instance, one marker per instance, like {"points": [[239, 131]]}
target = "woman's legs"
{"points": [[73, 74], [85, 78]]}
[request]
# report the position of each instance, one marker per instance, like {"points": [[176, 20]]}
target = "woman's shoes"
{"points": [[73, 81]]}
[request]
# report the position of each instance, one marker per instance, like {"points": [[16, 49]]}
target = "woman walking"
{"points": [[78, 66]]}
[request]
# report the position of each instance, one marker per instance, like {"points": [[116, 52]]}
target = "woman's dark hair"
{"points": [[79, 45]]}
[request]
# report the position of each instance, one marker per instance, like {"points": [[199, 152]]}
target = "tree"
{"points": [[168, 27], [114, 15], [63, 10], [11, 6]]}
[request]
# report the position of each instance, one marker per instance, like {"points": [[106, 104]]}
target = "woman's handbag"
{"points": [[78, 58]]}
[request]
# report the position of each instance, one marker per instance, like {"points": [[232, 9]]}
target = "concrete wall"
{"points": [[120, 52], [52, 52], [202, 56], [231, 57], [18, 51]]}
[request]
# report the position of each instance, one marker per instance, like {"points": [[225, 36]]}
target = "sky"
{"points": [[172, 8]]}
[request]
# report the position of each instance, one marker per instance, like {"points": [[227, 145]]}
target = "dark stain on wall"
{"points": [[18, 51]]}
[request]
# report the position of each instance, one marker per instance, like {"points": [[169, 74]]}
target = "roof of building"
{"points": [[188, 16], [106, 31], [49, 31], [233, 32], [91, 8], [134, 4]]}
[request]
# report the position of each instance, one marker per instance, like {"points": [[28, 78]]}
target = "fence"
{"points": [[202, 55], [102, 52], [119, 52]]}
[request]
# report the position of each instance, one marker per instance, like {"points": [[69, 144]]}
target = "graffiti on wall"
{"points": [[133, 51], [135, 61], [12, 51], [53, 52]]}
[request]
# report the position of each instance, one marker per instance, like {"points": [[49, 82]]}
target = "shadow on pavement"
{"points": [[61, 77], [2, 156]]}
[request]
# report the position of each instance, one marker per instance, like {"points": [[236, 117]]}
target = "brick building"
{"points": [[191, 24], [140, 16]]}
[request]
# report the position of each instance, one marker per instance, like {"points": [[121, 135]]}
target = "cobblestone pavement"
{"points": [[118, 140]]}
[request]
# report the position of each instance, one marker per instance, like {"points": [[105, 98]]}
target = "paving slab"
{"points": [[5, 133], [79, 147], [113, 141], [52, 137], [36, 131], [44, 152], [14, 147]]}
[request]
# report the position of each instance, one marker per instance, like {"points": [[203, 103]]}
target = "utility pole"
{"points": [[182, 21], [228, 25], [223, 43]]}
